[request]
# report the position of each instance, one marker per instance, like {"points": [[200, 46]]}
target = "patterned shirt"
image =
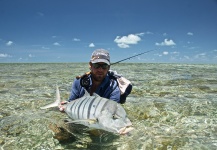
{"points": [[108, 89]]}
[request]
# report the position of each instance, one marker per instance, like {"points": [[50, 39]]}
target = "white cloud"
{"points": [[148, 32], [166, 42], [190, 33], [125, 41], [165, 53], [76, 40], [141, 34], [4, 55], [123, 45], [30, 55], [43, 47], [187, 57], [189, 42], [9, 43], [91, 45], [56, 44], [201, 55], [175, 52]]}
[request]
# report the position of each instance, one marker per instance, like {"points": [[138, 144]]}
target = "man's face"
{"points": [[99, 71]]}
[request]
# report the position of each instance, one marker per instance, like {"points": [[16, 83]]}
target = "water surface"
{"points": [[172, 106]]}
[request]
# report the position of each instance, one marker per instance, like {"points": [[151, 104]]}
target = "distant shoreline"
{"points": [[115, 64]]}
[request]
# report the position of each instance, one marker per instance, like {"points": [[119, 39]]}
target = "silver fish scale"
{"points": [[86, 107]]}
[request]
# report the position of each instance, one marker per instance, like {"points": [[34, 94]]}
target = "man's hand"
{"points": [[62, 106]]}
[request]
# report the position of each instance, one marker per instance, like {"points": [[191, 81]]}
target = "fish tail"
{"points": [[56, 103]]}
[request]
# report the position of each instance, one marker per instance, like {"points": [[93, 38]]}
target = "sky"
{"points": [[40, 31]]}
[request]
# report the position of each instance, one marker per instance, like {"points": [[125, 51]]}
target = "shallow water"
{"points": [[172, 106]]}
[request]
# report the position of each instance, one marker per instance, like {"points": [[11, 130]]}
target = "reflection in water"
{"points": [[172, 106]]}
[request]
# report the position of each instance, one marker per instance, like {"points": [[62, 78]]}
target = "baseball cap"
{"points": [[100, 55]]}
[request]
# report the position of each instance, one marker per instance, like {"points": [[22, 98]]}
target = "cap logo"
{"points": [[100, 57]]}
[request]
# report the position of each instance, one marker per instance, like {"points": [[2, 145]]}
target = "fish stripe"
{"points": [[79, 108], [94, 106], [89, 108], [83, 111], [76, 107], [98, 109], [105, 104], [72, 108], [85, 107]]}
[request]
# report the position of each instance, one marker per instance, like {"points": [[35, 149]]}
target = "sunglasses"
{"points": [[103, 66]]}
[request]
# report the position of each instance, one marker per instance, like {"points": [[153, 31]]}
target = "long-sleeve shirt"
{"points": [[108, 89]]}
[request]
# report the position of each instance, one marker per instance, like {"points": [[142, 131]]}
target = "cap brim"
{"points": [[100, 60]]}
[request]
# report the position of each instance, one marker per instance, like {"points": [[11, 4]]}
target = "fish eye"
{"points": [[115, 117]]}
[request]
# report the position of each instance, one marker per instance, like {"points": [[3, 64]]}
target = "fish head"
{"points": [[116, 121]]}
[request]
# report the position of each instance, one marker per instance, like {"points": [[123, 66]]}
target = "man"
{"points": [[97, 81]]}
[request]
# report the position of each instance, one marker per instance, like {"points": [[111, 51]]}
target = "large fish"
{"points": [[96, 112]]}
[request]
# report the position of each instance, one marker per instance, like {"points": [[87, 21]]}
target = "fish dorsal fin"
{"points": [[86, 93], [96, 95]]}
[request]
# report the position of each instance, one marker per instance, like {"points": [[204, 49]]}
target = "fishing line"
{"points": [[132, 57]]}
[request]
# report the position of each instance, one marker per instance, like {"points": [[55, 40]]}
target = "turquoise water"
{"points": [[172, 106]]}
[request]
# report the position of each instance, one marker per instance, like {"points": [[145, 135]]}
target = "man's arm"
{"points": [[75, 91], [116, 93]]}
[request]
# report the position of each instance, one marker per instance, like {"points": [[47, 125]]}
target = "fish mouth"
{"points": [[125, 130]]}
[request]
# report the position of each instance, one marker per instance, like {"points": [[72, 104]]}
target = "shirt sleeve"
{"points": [[75, 91], [116, 93]]}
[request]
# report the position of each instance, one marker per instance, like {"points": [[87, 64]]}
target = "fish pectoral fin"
{"points": [[90, 121]]}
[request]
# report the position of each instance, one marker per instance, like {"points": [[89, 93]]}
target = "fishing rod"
{"points": [[132, 57]]}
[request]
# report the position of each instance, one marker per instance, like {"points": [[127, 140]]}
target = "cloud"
{"points": [[148, 32], [190, 33], [30, 55], [201, 55], [123, 45], [166, 42], [193, 47], [176, 53], [91, 45], [164, 34], [76, 40], [9, 43], [56, 44], [43, 47], [125, 41], [4, 55], [165, 53], [187, 57]]}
